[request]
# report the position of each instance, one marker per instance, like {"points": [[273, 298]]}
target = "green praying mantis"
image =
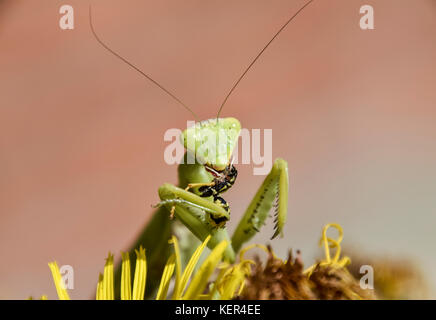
{"points": [[205, 173], [197, 201]]}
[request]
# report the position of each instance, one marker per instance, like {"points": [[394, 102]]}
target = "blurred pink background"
{"points": [[81, 134]]}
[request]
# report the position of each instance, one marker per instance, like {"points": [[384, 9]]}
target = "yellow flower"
{"points": [[186, 286], [231, 279]]}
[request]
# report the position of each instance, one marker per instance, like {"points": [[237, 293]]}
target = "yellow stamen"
{"points": [[331, 243]]}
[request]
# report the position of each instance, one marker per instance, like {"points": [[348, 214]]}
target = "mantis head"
{"points": [[212, 141]]}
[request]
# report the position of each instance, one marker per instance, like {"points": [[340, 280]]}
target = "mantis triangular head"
{"points": [[212, 141]]}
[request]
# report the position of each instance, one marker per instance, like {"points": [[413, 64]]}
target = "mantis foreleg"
{"points": [[274, 188], [200, 215]]}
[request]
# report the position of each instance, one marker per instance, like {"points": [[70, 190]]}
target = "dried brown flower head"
{"points": [[286, 280], [328, 279]]}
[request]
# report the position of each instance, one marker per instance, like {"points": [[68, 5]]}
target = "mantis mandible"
{"points": [[197, 199]]}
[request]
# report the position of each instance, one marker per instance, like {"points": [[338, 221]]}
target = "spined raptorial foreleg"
{"points": [[273, 192], [200, 215]]}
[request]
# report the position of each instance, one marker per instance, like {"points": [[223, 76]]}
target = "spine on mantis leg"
{"points": [[273, 192]]}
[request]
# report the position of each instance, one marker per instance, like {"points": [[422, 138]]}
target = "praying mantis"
{"points": [[204, 176], [197, 202]]}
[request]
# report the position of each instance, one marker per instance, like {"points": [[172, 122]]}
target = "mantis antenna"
{"points": [[259, 54], [136, 68]]}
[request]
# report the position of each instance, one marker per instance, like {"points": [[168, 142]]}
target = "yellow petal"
{"points": [[140, 275], [178, 267], [234, 281], [99, 293], [126, 282], [214, 293], [190, 268], [59, 283], [199, 281], [108, 278], [166, 278]]}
